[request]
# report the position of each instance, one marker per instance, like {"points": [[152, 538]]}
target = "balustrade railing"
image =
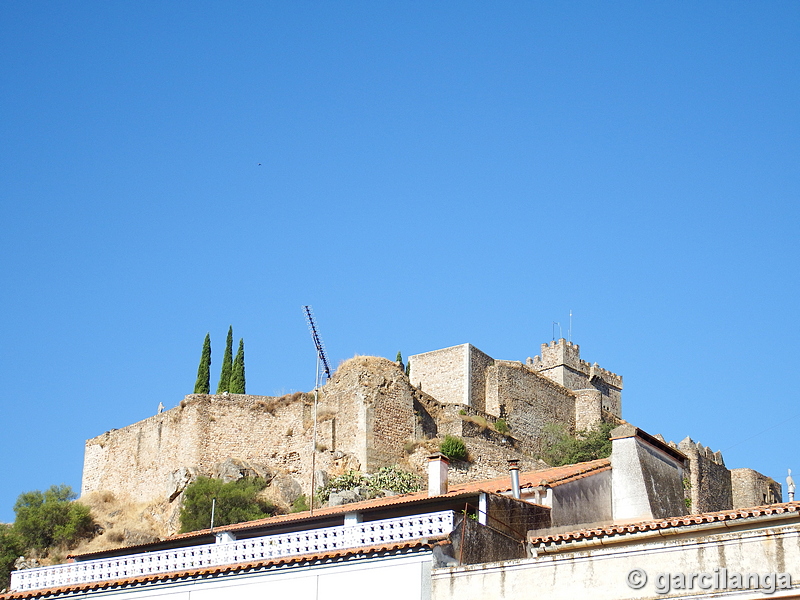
{"points": [[312, 541]]}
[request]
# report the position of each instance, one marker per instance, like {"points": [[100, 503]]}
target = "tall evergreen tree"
{"points": [[399, 360], [237, 372], [227, 364], [203, 383]]}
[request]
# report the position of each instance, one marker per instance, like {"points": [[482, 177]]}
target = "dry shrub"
{"points": [[325, 414], [477, 420], [270, 405]]}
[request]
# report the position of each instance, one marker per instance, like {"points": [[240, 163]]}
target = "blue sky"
{"points": [[430, 174]]}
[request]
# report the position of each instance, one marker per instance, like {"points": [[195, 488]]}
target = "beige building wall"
{"points": [[603, 571]]}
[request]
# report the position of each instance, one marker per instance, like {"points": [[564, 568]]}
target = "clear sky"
{"points": [[423, 174]]}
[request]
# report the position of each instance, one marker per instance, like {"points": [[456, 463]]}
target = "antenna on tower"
{"points": [[569, 331], [323, 360]]}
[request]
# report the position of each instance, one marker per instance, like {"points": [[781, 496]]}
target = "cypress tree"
{"points": [[237, 372], [399, 360], [203, 383], [227, 364]]}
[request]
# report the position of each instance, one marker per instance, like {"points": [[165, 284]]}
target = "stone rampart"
{"points": [[478, 363], [751, 488], [560, 361], [530, 400], [707, 480], [137, 462]]}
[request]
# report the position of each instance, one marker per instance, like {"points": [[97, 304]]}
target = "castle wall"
{"points": [[560, 361], [529, 400], [588, 409], [137, 462], [390, 424], [479, 362], [751, 488], [444, 374], [707, 480]]}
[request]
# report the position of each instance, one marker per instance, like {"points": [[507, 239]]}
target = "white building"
{"points": [[603, 529]]}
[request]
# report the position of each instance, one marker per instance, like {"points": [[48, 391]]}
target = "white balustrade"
{"points": [[312, 541]]}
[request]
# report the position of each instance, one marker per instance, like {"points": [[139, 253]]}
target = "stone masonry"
{"points": [[751, 488], [561, 361], [370, 414], [556, 387]]}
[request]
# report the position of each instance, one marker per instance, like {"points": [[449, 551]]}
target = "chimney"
{"points": [[437, 474], [513, 467]]}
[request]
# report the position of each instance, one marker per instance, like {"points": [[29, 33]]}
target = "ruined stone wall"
{"points": [[390, 424], [488, 460], [751, 488], [442, 373], [137, 462], [530, 400]]}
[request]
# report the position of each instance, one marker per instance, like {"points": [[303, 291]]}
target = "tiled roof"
{"points": [[553, 476], [397, 547], [790, 509]]}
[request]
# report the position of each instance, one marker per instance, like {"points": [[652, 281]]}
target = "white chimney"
{"points": [[438, 466], [513, 466]]}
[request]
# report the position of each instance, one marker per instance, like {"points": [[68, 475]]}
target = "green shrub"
{"points": [[300, 504], [391, 478], [51, 518], [237, 502], [346, 481], [10, 548], [394, 480], [453, 448], [561, 448], [501, 426]]}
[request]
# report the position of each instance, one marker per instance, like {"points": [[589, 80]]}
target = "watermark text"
{"points": [[718, 579]]}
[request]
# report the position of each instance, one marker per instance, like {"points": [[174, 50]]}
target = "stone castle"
{"points": [[371, 414]]}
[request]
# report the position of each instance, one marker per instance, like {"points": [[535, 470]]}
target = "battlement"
{"points": [[562, 353], [690, 448]]}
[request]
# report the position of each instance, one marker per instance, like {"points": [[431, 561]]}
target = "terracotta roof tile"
{"points": [[553, 476], [683, 521], [411, 545]]}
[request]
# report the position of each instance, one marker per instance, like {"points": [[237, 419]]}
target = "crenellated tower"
{"points": [[560, 361]]}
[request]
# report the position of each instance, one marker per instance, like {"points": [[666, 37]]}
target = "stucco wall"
{"points": [[583, 501], [602, 573], [647, 481]]}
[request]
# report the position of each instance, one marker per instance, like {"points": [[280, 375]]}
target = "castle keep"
{"points": [[523, 394]]}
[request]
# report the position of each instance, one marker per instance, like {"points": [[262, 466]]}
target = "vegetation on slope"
{"points": [[236, 502], [392, 479], [561, 448], [46, 525]]}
